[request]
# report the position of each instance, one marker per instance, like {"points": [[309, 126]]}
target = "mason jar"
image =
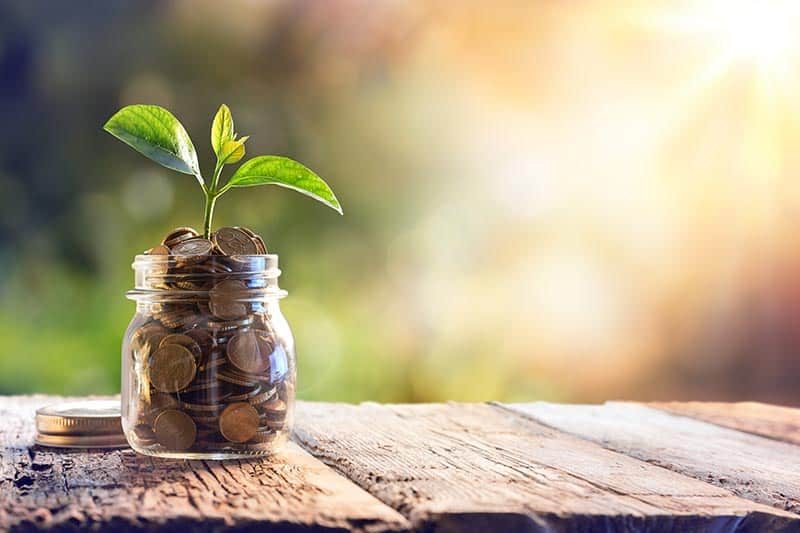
{"points": [[208, 363]]}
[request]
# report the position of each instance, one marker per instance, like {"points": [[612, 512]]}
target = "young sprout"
{"points": [[156, 133]]}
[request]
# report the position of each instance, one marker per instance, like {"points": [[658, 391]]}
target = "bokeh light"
{"points": [[542, 200]]}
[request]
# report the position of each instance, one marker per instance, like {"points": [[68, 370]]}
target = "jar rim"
{"points": [[265, 265], [157, 277], [159, 258]]}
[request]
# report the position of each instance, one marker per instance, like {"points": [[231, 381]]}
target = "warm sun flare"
{"points": [[764, 33]]}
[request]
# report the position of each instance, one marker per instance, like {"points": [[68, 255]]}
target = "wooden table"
{"points": [[447, 467]]}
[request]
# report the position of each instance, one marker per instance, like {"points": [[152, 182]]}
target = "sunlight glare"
{"points": [[760, 31]]}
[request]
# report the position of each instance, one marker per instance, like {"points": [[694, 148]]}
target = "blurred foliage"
{"points": [[541, 200]]}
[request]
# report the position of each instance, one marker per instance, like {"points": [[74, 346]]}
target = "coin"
{"points": [[239, 422], [171, 368], [157, 402], [206, 408], [249, 351], [234, 241], [160, 266], [260, 244], [263, 396], [212, 265], [178, 316], [274, 412], [158, 250], [144, 434], [192, 284], [224, 299], [203, 385], [264, 436], [185, 341], [211, 421], [261, 247], [196, 246], [220, 327], [147, 337], [244, 393], [245, 376], [237, 379], [204, 340], [179, 235], [245, 229], [214, 362], [175, 430]]}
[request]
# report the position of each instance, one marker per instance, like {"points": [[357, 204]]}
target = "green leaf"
{"points": [[232, 151], [156, 133], [221, 128], [277, 170]]}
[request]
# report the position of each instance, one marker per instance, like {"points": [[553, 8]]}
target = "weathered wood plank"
{"points": [[754, 467], [43, 487], [774, 421], [458, 467]]}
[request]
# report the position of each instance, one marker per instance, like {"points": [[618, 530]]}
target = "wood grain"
{"points": [[476, 467], [120, 490], [773, 421], [754, 467]]}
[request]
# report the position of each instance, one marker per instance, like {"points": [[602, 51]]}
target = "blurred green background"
{"points": [[543, 200]]}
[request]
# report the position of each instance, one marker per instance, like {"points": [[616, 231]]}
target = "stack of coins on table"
{"points": [[211, 372]]}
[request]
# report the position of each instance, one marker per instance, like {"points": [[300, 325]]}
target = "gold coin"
{"points": [[175, 430], [183, 340], [249, 351], [238, 422], [234, 241], [224, 299], [179, 235], [171, 368]]}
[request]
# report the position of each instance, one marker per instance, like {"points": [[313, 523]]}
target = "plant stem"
{"points": [[208, 215], [211, 199]]}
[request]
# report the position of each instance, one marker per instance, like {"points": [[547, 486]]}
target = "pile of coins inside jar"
{"points": [[210, 372]]}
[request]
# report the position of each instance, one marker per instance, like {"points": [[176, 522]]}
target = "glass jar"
{"points": [[208, 364]]}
